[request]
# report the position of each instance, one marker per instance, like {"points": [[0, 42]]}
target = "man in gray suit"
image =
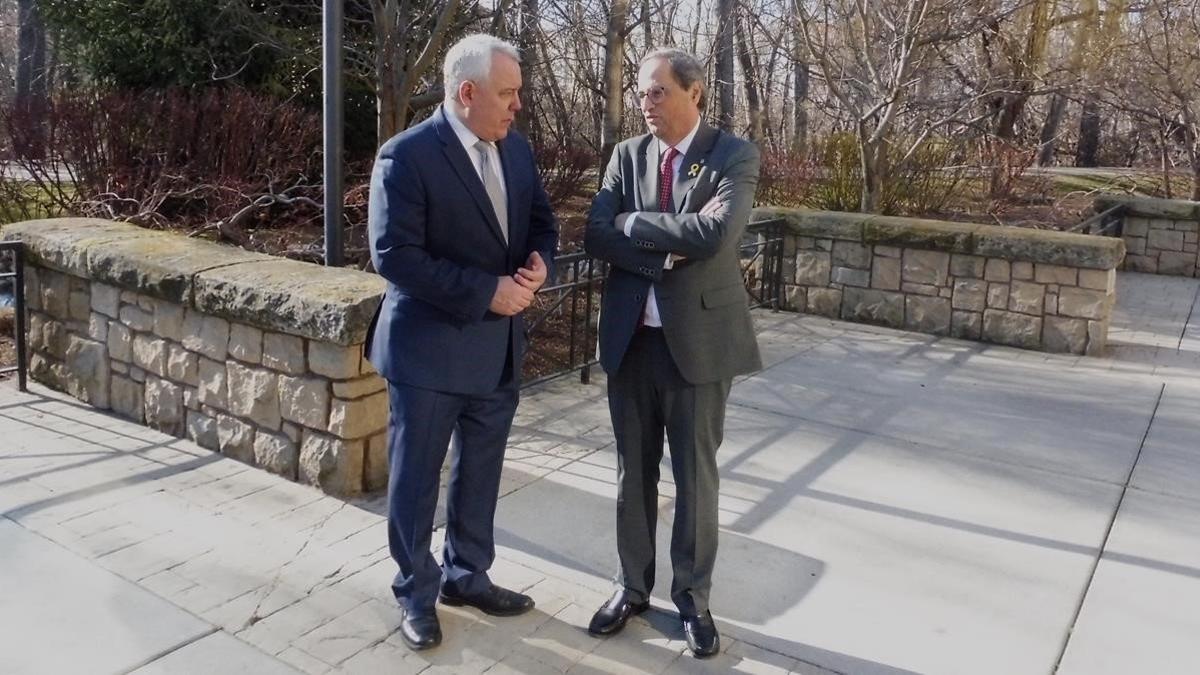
{"points": [[674, 330]]}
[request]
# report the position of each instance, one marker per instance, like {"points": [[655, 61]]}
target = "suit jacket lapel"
{"points": [[685, 179], [647, 193], [515, 232], [456, 154]]}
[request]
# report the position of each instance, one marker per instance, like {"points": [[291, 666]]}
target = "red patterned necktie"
{"points": [[666, 177]]}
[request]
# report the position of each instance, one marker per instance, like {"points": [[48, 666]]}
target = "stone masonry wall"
{"points": [[256, 357], [1162, 236], [1035, 289]]}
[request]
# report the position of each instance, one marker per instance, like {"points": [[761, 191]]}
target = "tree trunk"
{"points": [[527, 122], [871, 154], [614, 68], [799, 95], [1089, 133], [31, 78], [724, 59], [1049, 136], [754, 108]]}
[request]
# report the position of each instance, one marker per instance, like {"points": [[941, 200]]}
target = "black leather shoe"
{"points": [[495, 600], [701, 634], [611, 618], [420, 631]]}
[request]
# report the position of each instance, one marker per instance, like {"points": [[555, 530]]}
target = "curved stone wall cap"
{"points": [[1150, 207], [322, 303], [62, 244], [817, 224], [1049, 246], [938, 235]]}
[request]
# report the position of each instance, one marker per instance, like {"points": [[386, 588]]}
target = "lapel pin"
{"points": [[694, 170]]}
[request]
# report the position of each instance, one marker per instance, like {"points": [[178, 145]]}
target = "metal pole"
{"points": [[331, 45]]}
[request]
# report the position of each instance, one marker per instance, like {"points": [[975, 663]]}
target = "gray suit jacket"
{"points": [[702, 301]]}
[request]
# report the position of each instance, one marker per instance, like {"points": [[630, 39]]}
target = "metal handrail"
{"points": [[18, 277], [1111, 221]]}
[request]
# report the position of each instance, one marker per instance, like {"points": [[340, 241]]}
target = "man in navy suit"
{"points": [[461, 229]]}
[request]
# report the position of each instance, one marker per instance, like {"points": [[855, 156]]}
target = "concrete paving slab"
{"points": [[1170, 461], [216, 653], [59, 613], [1139, 615]]}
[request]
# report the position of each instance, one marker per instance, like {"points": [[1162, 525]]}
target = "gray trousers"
{"points": [[647, 396]]}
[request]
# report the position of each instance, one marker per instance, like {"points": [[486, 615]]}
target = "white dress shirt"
{"points": [[651, 317], [468, 140]]}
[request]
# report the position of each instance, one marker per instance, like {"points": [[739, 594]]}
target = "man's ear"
{"points": [[695, 93], [466, 92]]}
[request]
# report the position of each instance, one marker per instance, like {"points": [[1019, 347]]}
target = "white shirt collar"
{"points": [[465, 135], [681, 146]]}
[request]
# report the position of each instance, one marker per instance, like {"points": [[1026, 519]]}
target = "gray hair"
{"points": [[685, 68], [471, 59]]}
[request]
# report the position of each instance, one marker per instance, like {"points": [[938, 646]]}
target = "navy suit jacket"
{"points": [[434, 237]]}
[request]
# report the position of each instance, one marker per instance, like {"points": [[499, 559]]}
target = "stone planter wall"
{"points": [[256, 357], [1036, 289], [1162, 236]]}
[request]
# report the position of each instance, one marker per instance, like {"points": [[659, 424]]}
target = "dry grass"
{"points": [[8, 348]]}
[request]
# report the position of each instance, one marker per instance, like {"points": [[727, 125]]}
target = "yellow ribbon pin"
{"points": [[694, 170]]}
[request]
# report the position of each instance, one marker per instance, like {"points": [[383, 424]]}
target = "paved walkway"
{"points": [[891, 503]]}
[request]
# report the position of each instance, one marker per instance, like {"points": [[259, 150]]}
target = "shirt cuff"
{"points": [[628, 225]]}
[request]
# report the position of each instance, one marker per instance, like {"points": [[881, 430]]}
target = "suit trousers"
{"points": [[421, 427], [647, 396]]}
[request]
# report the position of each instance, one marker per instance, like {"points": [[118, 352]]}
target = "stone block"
{"points": [[168, 320], [794, 298], [56, 294], [118, 367], [150, 353], [998, 271], [55, 339], [137, 318], [137, 374], [927, 315], [997, 296], [1136, 227], [812, 268], [360, 417], [1191, 236], [98, 327], [33, 288], [1051, 304], [213, 385], [235, 438], [191, 398], [334, 361], [1058, 274], [885, 273], [79, 307], [87, 372], [1097, 337], [926, 267], [1022, 270], [1010, 328], [183, 366], [1135, 245], [164, 406], [870, 306], [970, 295], [1026, 297], [1048, 246], [1098, 279], [825, 302], [1166, 240], [284, 353], [915, 233], [851, 277], [889, 251], [359, 387], [375, 473], [106, 300], [120, 342], [1065, 335], [1083, 303], [966, 325], [254, 394], [1141, 263], [1175, 263], [304, 400], [967, 266], [276, 453], [293, 431], [332, 464], [127, 398], [202, 430], [208, 335], [245, 343], [919, 289], [851, 254]]}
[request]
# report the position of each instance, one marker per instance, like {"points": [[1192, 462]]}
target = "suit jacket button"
{"points": [[638, 297]]}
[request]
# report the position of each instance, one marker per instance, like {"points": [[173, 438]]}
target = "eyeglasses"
{"points": [[656, 94]]}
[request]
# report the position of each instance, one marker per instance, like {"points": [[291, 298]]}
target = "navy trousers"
{"points": [[420, 429]]}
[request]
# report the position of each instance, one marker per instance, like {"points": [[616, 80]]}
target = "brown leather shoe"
{"points": [[495, 600], [612, 617]]}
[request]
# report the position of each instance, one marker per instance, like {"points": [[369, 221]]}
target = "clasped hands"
{"points": [[712, 207], [515, 293]]}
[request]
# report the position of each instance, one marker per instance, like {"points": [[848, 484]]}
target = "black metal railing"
{"points": [[17, 253], [1108, 223], [563, 323]]}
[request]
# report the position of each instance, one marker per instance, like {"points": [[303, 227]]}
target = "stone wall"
{"points": [[1036, 289], [1162, 236], [256, 357]]}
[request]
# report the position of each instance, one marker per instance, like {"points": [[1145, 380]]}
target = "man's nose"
{"points": [[516, 103]]}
